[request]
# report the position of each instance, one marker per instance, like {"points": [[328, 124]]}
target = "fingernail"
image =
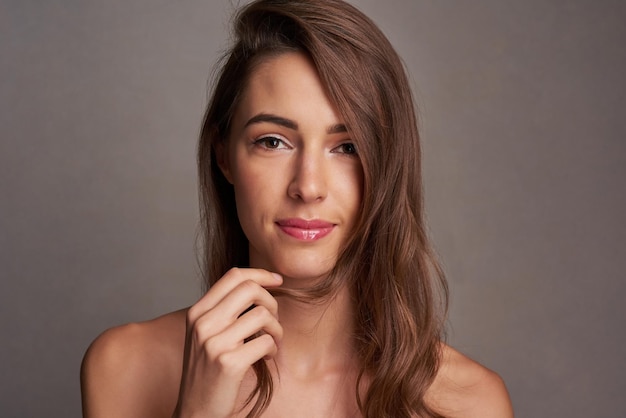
{"points": [[277, 277]]}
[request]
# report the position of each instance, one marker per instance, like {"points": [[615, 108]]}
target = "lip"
{"points": [[305, 230]]}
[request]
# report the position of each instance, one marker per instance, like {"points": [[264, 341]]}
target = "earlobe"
{"points": [[221, 155]]}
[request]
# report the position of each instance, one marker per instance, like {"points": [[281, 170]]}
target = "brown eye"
{"points": [[347, 148], [270, 142]]}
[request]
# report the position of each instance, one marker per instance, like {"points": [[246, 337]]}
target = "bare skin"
{"points": [[298, 182], [135, 371]]}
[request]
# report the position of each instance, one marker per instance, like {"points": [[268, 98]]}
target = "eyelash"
{"points": [[352, 150], [264, 142]]}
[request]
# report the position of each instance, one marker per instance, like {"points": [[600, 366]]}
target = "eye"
{"points": [[271, 142], [346, 148]]}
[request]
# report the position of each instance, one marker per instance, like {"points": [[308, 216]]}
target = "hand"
{"points": [[216, 357]]}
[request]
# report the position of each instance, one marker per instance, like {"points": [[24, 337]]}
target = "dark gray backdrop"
{"points": [[523, 115]]}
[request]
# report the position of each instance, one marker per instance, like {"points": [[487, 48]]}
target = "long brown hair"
{"points": [[398, 287]]}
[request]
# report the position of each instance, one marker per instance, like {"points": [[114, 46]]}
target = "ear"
{"points": [[223, 162]]}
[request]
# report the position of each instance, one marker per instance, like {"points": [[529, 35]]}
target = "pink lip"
{"points": [[304, 230]]}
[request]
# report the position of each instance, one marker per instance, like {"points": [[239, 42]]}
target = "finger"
{"points": [[238, 361], [236, 276], [245, 295], [238, 301], [227, 283], [257, 320], [240, 334]]}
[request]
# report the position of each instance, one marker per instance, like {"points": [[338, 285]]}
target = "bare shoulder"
{"points": [[134, 369], [464, 388]]}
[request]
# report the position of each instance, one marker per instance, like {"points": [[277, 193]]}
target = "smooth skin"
{"points": [[298, 163], [289, 156]]}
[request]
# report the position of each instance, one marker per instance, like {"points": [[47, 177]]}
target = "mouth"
{"points": [[305, 230]]}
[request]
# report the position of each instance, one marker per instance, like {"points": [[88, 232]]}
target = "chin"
{"points": [[304, 270], [305, 274]]}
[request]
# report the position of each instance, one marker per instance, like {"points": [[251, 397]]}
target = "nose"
{"points": [[309, 177]]}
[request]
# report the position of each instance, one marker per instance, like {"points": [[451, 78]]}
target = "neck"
{"points": [[318, 337]]}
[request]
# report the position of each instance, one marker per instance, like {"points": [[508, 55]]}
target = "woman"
{"points": [[324, 298]]}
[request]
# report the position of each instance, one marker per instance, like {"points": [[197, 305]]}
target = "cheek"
{"points": [[248, 207], [255, 193], [247, 196], [244, 178]]}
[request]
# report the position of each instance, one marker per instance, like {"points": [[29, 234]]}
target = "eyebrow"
{"points": [[290, 124]]}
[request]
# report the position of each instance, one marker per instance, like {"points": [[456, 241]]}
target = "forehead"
{"points": [[287, 85]]}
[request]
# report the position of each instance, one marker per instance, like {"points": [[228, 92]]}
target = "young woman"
{"points": [[324, 298]]}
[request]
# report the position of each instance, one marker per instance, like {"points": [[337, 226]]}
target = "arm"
{"points": [[465, 389], [135, 370], [122, 375]]}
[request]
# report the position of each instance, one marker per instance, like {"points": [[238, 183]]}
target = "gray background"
{"points": [[522, 107]]}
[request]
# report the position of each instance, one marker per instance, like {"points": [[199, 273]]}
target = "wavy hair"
{"points": [[399, 289]]}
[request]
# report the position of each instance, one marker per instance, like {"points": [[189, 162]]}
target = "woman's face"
{"points": [[297, 177]]}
